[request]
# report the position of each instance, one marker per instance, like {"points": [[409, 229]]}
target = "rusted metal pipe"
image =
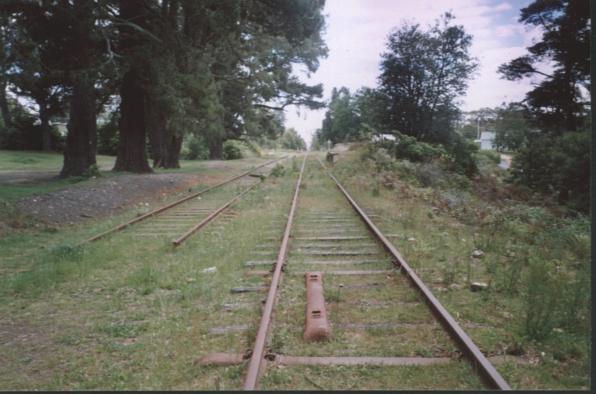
{"points": [[469, 348], [257, 362], [175, 203], [317, 325]]}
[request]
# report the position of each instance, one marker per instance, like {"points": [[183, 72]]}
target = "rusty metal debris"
{"points": [[317, 325]]}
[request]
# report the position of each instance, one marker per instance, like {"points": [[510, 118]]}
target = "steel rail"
{"points": [[257, 359], [469, 348], [177, 202], [211, 216]]}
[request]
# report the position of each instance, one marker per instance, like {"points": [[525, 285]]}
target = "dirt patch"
{"points": [[105, 196], [12, 177]]}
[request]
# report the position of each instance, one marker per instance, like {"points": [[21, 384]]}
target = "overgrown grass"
{"points": [[535, 261], [128, 312]]}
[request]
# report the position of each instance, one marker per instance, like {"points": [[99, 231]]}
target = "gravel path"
{"points": [[105, 196]]}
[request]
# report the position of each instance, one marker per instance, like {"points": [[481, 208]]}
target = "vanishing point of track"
{"points": [[328, 234]]}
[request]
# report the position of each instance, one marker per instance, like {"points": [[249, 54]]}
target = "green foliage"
{"points": [[555, 299], [540, 299], [92, 171], [278, 171], [407, 147], [340, 123], [556, 101], [24, 134], [511, 129], [232, 150], [494, 157], [195, 148], [253, 147], [460, 155], [557, 165], [469, 131], [419, 92], [292, 140], [108, 137]]}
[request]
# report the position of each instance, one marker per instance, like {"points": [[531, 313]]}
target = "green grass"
{"points": [[135, 313], [52, 161], [124, 312], [41, 161], [437, 240]]}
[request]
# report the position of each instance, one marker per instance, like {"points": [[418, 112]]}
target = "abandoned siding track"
{"points": [[182, 218], [380, 314]]}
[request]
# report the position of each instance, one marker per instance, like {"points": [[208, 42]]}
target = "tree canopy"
{"points": [[557, 102], [218, 69]]}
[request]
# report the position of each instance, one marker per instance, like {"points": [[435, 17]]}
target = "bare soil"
{"points": [[105, 196]]}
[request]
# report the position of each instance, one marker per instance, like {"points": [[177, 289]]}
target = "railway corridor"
{"points": [[383, 334]]}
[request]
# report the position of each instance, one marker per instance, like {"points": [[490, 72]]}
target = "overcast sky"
{"points": [[356, 34]]}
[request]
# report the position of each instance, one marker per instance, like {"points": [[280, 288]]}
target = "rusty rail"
{"points": [[212, 215], [257, 361], [175, 203], [468, 347]]}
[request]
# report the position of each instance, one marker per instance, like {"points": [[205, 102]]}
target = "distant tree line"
{"points": [[424, 71], [211, 69], [422, 74]]}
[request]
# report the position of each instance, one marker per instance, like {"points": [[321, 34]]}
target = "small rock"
{"points": [[411, 239], [559, 330], [478, 286], [477, 253], [210, 270]]}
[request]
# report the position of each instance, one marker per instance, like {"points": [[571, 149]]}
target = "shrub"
{"points": [[254, 147], [278, 171], [407, 147], [493, 156], [540, 299], [92, 171], [231, 150], [460, 156], [195, 148], [557, 165], [108, 136]]}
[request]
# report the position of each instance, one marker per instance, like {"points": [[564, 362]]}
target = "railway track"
{"points": [[334, 266], [184, 217]]}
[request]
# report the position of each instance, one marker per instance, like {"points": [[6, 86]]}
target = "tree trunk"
{"points": [[4, 106], [216, 148], [46, 138], [156, 128], [132, 155], [81, 141], [171, 155]]}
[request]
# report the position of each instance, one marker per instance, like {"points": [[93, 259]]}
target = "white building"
{"points": [[486, 140]]}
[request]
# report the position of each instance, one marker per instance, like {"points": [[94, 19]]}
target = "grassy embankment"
{"points": [[535, 261]]}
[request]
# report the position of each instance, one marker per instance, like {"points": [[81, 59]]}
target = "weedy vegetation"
{"points": [[533, 255]]}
